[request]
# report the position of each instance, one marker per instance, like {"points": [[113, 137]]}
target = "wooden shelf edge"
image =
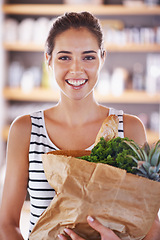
{"points": [[5, 133], [129, 97], [26, 47], [57, 9], [141, 48], [152, 136], [33, 47], [37, 94], [50, 95]]}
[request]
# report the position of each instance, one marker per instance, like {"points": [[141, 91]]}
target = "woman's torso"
{"points": [[41, 193]]}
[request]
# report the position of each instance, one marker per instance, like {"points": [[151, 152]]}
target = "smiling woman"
{"points": [[76, 61], [75, 53], [76, 46]]}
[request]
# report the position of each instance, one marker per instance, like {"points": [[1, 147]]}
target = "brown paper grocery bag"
{"points": [[126, 203]]}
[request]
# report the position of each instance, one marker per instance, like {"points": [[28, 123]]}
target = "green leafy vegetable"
{"points": [[114, 152]]}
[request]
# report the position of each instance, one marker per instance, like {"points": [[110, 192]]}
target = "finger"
{"points": [[105, 232], [95, 224], [62, 237], [72, 234]]}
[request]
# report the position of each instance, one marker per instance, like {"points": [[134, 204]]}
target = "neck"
{"points": [[78, 112]]}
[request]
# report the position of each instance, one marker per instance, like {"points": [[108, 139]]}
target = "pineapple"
{"points": [[148, 160]]}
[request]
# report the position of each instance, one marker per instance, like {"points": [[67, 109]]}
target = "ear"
{"points": [[48, 59], [104, 53], [103, 57]]}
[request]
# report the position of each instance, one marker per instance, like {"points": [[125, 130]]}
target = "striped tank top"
{"points": [[41, 193]]}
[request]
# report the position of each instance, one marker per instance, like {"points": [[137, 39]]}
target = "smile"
{"points": [[76, 83]]}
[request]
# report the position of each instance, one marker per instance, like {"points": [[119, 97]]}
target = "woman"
{"points": [[75, 54]]}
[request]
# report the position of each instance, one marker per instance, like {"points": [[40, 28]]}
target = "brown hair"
{"points": [[74, 20]]}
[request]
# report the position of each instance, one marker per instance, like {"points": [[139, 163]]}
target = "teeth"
{"points": [[76, 83]]}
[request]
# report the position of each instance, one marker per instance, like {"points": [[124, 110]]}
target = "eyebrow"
{"points": [[91, 51], [67, 52], [85, 52]]}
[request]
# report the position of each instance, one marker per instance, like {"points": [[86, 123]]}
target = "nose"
{"points": [[76, 67]]}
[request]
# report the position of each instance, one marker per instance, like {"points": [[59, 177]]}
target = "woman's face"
{"points": [[76, 62]]}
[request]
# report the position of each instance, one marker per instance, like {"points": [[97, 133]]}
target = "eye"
{"points": [[64, 58], [89, 57]]}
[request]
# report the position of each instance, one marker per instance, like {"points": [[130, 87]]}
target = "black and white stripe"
{"points": [[119, 113], [41, 193]]}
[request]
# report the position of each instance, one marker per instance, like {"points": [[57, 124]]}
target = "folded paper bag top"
{"points": [[126, 203]]}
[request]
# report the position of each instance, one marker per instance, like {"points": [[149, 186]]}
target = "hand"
{"points": [[106, 233], [154, 232]]}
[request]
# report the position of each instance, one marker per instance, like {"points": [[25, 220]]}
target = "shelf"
{"points": [[32, 47], [37, 94], [18, 46], [141, 48], [51, 10], [57, 9], [5, 132], [49, 95], [151, 135], [129, 96]]}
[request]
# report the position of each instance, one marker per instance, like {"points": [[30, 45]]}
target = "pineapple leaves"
{"points": [[148, 160], [135, 148], [146, 148], [134, 158]]}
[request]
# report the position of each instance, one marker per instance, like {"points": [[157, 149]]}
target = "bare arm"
{"points": [[154, 233], [134, 129], [15, 186]]}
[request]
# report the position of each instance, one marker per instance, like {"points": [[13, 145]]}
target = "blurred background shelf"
{"points": [[152, 136], [18, 46], [23, 47], [131, 55], [131, 37], [57, 9], [140, 48], [37, 94], [50, 95]]}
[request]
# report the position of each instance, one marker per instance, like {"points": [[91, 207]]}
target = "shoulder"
{"points": [[20, 130], [134, 129], [22, 123]]}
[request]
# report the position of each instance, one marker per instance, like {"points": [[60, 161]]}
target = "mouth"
{"points": [[76, 83]]}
